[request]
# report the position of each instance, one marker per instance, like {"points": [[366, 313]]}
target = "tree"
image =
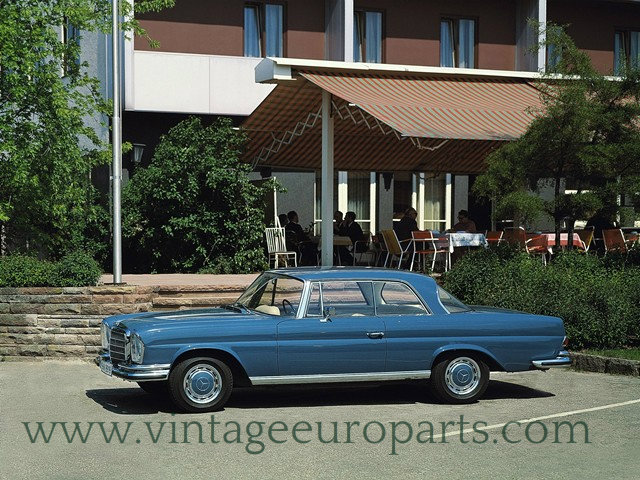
{"points": [[47, 150], [586, 135], [193, 207]]}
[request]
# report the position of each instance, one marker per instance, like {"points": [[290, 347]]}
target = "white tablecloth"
{"points": [[461, 239]]}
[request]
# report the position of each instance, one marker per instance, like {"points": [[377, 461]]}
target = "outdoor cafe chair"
{"points": [[366, 247], [395, 247], [426, 245], [536, 245], [586, 238], [614, 241], [494, 237], [277, 247]]}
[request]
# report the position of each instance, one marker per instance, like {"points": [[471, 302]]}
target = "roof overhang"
{"points": [[388, 117]]}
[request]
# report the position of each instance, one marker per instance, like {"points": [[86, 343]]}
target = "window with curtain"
{"points": [[359, 197], [367, 37], [264, 30], [457, 42], [626, 52], [434, 202]]}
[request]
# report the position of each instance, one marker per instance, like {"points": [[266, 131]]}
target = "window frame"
{"points": [[626, 37], [310, 284], [456, 48], [262, 25], [383, 32]]}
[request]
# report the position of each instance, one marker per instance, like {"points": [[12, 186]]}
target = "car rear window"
{"points": [[451, 303]]}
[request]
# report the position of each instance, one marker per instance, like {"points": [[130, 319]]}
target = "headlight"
{"points": [[105, 333], [137, 348]]}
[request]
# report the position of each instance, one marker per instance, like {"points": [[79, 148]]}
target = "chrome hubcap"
{"points": [[462, 375], [202, 383]]}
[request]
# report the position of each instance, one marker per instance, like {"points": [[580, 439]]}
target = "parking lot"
{"points": [[394, 430]]}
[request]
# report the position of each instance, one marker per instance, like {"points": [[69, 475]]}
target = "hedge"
{"points": [[76, 269], [598, 299]]}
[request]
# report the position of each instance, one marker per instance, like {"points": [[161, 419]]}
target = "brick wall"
{"points": [[62, 322]]}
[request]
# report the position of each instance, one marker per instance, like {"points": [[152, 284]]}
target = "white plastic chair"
{"points": [[277, 247]]}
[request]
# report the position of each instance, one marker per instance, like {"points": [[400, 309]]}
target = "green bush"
{"points": [[193, 208], [73, 270], [598, 303], [76, 269]]}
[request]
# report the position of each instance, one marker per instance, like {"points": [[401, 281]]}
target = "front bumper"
{"points": [[136, 373], [561, 361]]}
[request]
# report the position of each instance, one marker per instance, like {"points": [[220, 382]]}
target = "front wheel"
{"points": [[459, 379], [200, 384]]}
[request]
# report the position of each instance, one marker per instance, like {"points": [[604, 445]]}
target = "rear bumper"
{"points": [[561, 361], [136, 373]]}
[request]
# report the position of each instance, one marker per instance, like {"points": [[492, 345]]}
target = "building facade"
{"points": [[210, 48]]}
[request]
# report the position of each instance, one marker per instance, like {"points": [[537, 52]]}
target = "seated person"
{"points": [[337, 222], [465, 224], [297, 240], [406, 225], [284, 220], [352, 230]]}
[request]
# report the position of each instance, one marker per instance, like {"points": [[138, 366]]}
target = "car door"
{"points": [[408, 326], [350, 339]]}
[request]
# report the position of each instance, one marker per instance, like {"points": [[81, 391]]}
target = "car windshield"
{"points": [[273, 294], [451, 303]]}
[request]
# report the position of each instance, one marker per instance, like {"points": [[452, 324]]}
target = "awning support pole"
{"points": [[327, 181]]}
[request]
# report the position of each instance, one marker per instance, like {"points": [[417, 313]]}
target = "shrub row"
{"points": [[598, 299], [76, 269]]}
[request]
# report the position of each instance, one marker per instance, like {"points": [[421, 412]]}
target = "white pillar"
{"points": [[448, 201], [421, 212], [372, 202], [542, 18], [327, 181], [343, 191]]}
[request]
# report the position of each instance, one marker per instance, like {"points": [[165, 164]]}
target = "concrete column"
{"points": [[327, 181]]}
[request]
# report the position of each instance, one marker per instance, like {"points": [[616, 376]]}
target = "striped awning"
{"points": [[391, 121]]}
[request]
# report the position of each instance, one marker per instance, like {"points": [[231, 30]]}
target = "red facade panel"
{"points": [[592, 25], [412, 30], [215, 27]]}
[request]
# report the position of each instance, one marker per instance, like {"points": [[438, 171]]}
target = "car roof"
{"points": [[348, 273]]}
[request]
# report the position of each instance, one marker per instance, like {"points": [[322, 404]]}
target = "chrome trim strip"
{"points": [[340, 377], [561, 361], [137, 373]]}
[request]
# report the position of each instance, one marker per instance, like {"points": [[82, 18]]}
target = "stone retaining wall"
{"points": [[61, 322]]}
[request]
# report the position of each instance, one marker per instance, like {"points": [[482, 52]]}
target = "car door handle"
{"points": [[375, 334]]}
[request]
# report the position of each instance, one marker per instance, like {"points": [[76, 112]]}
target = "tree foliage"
{"points": [[47, 148], [193, 207], [586, 135]]}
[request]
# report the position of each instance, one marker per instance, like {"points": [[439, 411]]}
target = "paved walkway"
{"points": [[181, 279]]}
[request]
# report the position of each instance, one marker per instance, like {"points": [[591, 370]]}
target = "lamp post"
{"points": [[116, 145]]}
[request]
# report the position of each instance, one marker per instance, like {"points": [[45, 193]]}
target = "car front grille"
{"points": [[118, 346]]}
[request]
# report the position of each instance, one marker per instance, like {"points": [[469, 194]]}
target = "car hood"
{"points": [[485, 309], [149, 320]]}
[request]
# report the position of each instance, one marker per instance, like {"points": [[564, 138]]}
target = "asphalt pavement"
{"points": [[521, 429]]}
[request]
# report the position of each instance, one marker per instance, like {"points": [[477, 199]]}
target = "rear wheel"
{"points": [[459, 378], [200, 384], [154, 388]]}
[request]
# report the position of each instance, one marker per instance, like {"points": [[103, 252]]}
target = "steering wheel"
{"points": [[286, 302]]}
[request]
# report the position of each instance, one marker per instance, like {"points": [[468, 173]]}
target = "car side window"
{"points": [[350, 299], [397, 299]]}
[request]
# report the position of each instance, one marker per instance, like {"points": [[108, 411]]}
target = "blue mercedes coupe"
{"points": [[328, 325]]}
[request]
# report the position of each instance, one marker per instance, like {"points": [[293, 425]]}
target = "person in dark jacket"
{"points": [[352, 230], [299, 241], [406, 225]]}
